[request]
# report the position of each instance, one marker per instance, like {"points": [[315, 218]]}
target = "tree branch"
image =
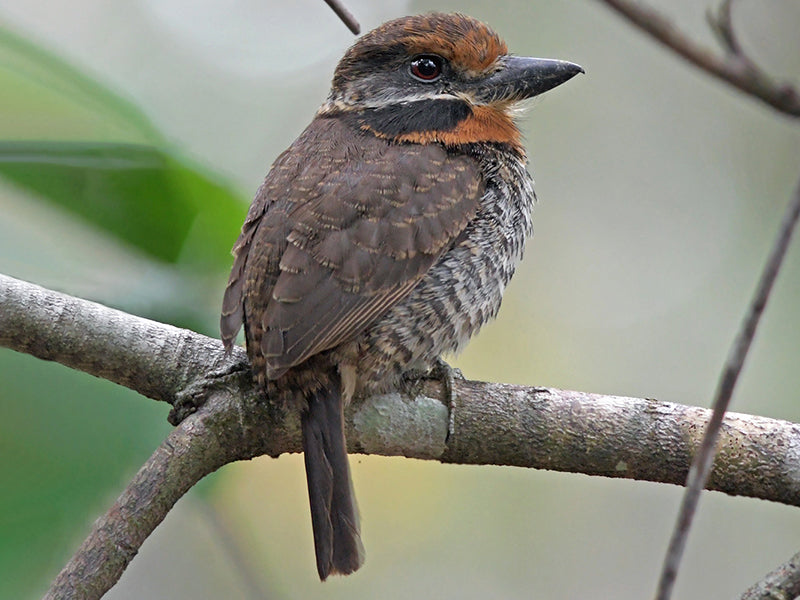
{"points": [[781, 583], [345, 15], [733, 68], [488, 423], [157, 360], [203, 443]]}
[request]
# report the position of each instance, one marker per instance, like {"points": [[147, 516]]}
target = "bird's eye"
{"points": [[427, 67]]}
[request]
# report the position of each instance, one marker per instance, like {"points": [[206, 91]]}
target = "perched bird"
{"points": [[384, 236]]}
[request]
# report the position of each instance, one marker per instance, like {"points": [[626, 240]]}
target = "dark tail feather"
{"points": [[334, 514]]}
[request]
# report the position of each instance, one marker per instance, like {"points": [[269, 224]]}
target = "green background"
{"points": [[131, 139]]}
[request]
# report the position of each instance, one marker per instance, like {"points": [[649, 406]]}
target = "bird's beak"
{"points": [[520, 77]]}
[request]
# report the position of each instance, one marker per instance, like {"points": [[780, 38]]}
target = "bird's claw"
{"points": [[448, 376]]}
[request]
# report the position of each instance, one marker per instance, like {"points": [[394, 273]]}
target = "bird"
{"points": [[384, 236]]}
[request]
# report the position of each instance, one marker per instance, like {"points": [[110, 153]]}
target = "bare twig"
{"points": [[488, 423], [701, 466], [742, 74], [721, 23], [783, 583], [345, 15]]}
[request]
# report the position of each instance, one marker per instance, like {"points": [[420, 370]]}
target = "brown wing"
{"points": [[343, 228], [232, 302]]}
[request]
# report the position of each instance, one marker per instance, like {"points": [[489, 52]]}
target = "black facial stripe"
{"points": [[414, 117]]}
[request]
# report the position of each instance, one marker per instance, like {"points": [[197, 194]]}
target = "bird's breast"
{"points": [[464, 289]]}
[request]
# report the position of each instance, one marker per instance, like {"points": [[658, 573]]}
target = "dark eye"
{"points": [[427, 67]]}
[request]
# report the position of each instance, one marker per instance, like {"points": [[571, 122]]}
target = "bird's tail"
{"points": [[334, 514]]}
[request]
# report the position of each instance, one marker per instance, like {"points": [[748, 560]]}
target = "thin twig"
{"points": [[345, 15], [782, 582], [742, 74], [721, 24], [701, 466]]}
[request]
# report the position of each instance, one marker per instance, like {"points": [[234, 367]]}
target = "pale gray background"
{"points": [[660, 191]]}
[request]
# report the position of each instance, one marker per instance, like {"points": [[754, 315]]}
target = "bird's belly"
{"points": [[460, 293]]}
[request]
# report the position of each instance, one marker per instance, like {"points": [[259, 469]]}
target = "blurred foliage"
{"points": [[145, 194], [139, 194], [69, 442], [44, 97]]}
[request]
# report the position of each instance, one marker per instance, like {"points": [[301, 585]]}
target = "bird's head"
{"points": [[437, 77]]}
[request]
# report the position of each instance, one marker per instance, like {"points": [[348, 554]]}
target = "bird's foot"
{"points": [[413, 381], [448, 376], [188, 400]]}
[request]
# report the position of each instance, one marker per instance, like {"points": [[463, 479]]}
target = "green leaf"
{"points": [[150, 199], [95, 154], [43, 96], [66, 439]]}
